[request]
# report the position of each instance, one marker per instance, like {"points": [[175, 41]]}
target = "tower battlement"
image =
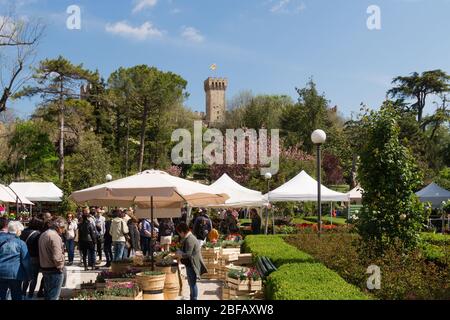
{"points": [[216, 84]]}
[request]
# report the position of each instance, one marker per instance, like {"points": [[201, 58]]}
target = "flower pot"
{"points": [[172, 280], [151, 282]]}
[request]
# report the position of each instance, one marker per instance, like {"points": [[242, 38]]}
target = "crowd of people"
{"points": [[42, 246]]}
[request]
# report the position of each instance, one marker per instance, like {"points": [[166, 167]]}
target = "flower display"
{"points": [[253, 274]]}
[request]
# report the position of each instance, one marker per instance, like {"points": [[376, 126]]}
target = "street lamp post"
{"points": [[319, 137], [108, 178], [267, 176], [24, 157]]}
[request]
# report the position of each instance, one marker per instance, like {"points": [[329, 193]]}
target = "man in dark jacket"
{"points": [[202, 226], [87, 238], [31, 238], [107, 245], [14, 263], [256, 221], [191, 257]]}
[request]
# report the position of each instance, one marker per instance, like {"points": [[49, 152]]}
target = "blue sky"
{"points": [[266, 46]]}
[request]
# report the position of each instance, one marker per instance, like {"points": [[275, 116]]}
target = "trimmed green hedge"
{"points": [[310, 281], [299, 276], [436, 238], [274, 248]]}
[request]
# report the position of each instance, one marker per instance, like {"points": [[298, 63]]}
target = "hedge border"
{"points": [[299, 276]]}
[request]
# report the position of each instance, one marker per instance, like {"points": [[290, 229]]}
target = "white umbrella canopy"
{"points": [[239, 196], [303, 188], [168, 192]]}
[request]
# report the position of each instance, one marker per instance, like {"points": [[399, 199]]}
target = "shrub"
{"points": [[274, 248], [435, 238], [392, 214], [299, 276], [403, 276], [438, 254], [310, 281]]}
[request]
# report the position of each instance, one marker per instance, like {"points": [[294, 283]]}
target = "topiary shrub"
{"points": [[388, 173]]}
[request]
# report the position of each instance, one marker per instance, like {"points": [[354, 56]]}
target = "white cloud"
{"points": [[191, 34], [145, 31], [144, 4], [280, 6], [287, 6]]}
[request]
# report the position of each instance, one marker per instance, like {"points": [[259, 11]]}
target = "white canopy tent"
{"points": [[38, 191], [355, 194], [434, 194], [304, 188], [151, 189], [9, 196], [239, 196]]}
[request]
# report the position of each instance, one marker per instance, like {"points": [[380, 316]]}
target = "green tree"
{"points": [[150, 97], [56, 81], [389, 176], [443, 178], [264, 111], [300, 120], [32, 150], [89, 164], [419, 87]]}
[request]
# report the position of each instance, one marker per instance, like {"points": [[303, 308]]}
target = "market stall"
{"points": [[155, 194], [10, 197], [46, 195], [240, 196], [434, 194]]}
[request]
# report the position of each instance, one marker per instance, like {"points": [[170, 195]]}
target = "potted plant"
{"points": [[238, 280], [108, 276], [121, 266], [255, 280], [151, 280], [88, 295], [122, 291]]}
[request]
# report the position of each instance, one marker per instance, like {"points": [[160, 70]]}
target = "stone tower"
{"points": [[215, 89]]}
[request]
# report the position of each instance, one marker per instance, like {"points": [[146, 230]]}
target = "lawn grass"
{"points": [[301, 221], [328, 219]]}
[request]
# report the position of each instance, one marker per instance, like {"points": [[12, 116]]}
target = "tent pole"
{"points": [[267, 220], [331, 212], [151, 234], [273, 222]]}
